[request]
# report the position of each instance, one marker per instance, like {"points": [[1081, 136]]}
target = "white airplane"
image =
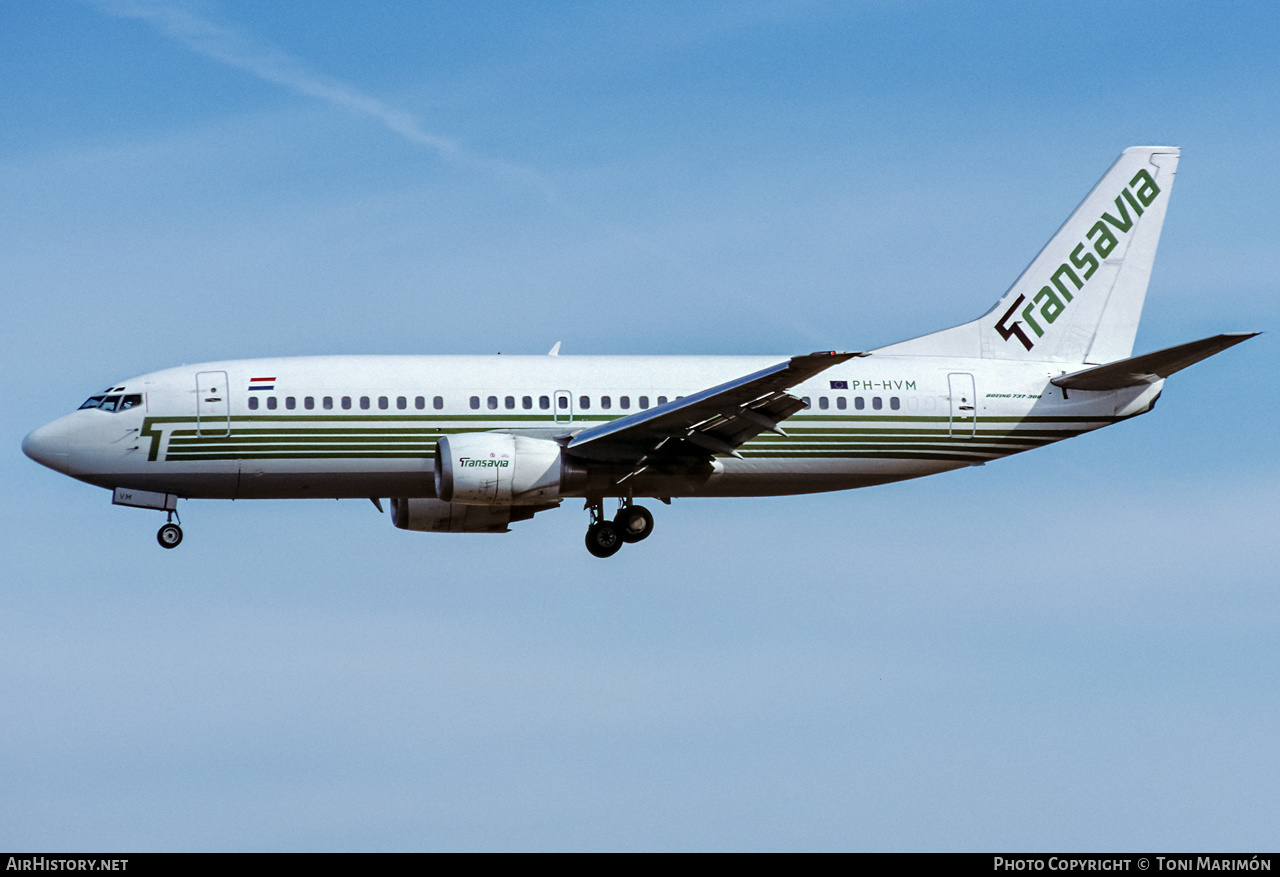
{"points": [[471, 444]]}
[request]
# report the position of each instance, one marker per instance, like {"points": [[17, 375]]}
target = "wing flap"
{"points": [[716, 420], [1150, 367], [748, 421]]}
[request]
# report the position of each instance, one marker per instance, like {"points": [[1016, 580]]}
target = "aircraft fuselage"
{"points": [[366, 426]]}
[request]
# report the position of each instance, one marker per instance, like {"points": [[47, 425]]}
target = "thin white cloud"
{"points": [[240, 50]]}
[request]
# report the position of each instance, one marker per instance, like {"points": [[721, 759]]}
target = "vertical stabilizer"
{"points": [[1080, 299]]}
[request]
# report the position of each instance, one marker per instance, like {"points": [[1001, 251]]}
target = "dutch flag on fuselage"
{"points": [[262, 383]]}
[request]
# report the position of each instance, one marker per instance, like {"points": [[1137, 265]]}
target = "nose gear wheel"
{"points": [[169, 536]]}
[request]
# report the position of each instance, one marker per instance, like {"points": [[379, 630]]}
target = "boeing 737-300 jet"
{"points": [[472, 444]]}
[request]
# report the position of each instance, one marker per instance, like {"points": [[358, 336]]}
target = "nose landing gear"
{"points": [[605, 537], [170, 535]]}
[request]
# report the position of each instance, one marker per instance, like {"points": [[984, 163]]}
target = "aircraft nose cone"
{"points": [[48, 446]]}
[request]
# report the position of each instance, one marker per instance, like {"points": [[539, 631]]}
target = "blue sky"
{"points": [[1071, 649]]}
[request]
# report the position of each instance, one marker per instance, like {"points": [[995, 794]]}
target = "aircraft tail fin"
{"points": [[1080, 299]]}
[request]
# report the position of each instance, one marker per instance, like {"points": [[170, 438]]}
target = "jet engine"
{"points": [[435, 516], [497, 469]]}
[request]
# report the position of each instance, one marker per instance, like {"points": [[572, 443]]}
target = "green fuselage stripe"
{"points": [[409, 436]]}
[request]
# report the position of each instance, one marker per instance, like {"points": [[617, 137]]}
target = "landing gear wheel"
{"points": [[603, 539], [633, 522], [170, 536]]}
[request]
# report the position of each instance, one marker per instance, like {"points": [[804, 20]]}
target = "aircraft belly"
{"points": [[211, 481], [275, 479], [283, 479], [779, 477]]}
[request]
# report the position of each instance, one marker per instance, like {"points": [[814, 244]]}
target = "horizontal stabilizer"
{"points": [[1150, 367]]}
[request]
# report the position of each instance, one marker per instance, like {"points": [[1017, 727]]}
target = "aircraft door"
{"points": [[213, 405], [964, 405], [563, 406]]}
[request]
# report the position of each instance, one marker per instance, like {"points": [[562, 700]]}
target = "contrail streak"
{"points": [[242, 51]]}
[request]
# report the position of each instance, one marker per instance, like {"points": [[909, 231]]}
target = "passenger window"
{"points": [[382, 403], [644, 401], [584, 402], [271, 402], [475, 403], [253, 403], [526, 402], [493, 402], [562, 401], [328, 403], [131, 401], [894, 403], [309, 402], [823, 403], [877, 403], [605, 402], [364, 403], [662, 400], [437, 402], [807, 403], [402, 403], [842, 403], [544, 402], [290, 402], [624, 402], [346, 403], [509, 402], [859, 403], [419, 402]]}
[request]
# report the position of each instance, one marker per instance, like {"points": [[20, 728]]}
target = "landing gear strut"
{"points": [[631, 524], [170, 535]]}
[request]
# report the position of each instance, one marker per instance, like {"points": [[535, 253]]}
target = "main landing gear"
{"points": [[170, 535], [631, 524]]}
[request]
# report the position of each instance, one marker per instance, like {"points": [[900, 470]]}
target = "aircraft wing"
{"points": [[713, 421], [1150, 367]]}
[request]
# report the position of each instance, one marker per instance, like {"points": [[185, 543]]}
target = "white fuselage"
{"points": [[366, 426]]}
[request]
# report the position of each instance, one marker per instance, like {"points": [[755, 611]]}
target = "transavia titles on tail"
{"points": [[473, 444]]}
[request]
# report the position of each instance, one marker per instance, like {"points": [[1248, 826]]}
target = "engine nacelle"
{"points": [[435, 516], [496, 469]]}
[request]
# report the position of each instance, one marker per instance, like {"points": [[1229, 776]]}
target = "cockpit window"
{"points": [[113, 403]]}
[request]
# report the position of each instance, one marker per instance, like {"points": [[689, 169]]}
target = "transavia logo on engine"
{"points": [[472, 463], [1053, 297]]}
